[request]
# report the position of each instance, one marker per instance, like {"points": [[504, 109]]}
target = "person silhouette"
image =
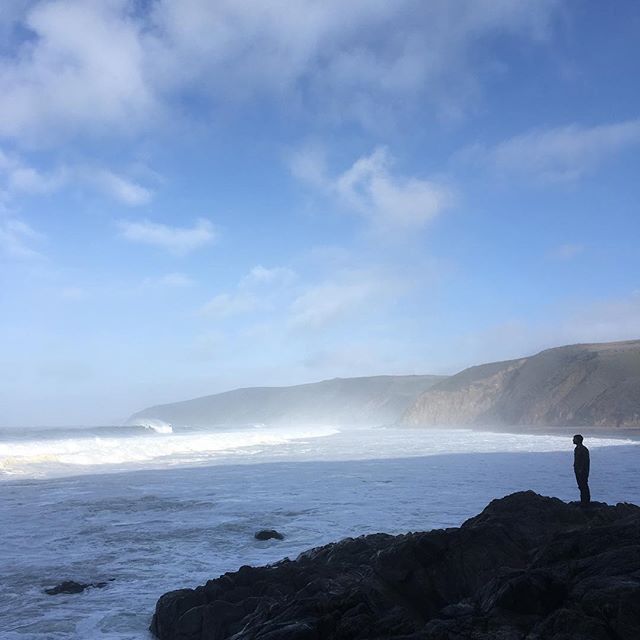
{"points": [[581, 469]]}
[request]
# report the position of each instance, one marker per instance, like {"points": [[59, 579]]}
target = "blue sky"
{"points": [[206, 194]]}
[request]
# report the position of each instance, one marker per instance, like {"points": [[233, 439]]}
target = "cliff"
{"points": [[581, 385], [368, 401], [527, 567]]}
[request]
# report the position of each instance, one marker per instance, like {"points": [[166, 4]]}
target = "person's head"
{"points": [[577, 439]]}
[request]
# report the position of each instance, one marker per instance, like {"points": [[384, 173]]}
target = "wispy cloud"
{"points": [[17, 239], [119, 187], [372, 189], [19, 177], [256, 290], [339, 298], [176, 240], [260, 275], [562, 154]]}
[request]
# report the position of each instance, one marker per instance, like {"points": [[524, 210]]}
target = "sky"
{"points": [[208, 194]]}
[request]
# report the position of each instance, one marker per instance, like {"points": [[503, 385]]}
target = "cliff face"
{"points": [[526, 568], [581, 385], [342, 402]]}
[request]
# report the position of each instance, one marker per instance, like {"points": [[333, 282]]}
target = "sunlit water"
{"points": [[156, 509]]}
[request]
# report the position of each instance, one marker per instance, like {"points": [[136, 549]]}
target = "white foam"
{"points": [[65, 456], [159, 426]]}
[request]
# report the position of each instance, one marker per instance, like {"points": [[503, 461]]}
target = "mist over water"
{"points": [[154, 511]]}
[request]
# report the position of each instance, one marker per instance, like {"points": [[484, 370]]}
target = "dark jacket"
{"points": [[581, 461]]}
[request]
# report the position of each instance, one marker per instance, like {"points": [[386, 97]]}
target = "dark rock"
{"points": [[526, 567], [70, 586], [268, 534]]}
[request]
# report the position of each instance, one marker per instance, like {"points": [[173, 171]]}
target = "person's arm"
{"points": [[581, 461], [587, 461]]}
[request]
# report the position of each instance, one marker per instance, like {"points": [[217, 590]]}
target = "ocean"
{"points": [[148, 509]]}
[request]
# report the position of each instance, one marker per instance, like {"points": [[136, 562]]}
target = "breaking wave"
{"points": [[148, 444], [155, 425]]}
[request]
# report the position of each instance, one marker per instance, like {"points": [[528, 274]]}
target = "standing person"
{"points": [[581, 469]]}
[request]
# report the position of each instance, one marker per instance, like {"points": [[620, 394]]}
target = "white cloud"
{"points": [[116, 66], [347, 59], [562, 154], [284, 303], [120, 188], [30, 180], [176, 240], [256, 290], [82, 69], [371, 189], [20, 177], [17, 238]]}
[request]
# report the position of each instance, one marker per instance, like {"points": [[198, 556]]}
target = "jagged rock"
{"points": [[71, 586], [527, 567], [268, 534]]}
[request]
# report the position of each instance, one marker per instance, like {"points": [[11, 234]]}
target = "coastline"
{"points": [[620, 433], [616, 433]]}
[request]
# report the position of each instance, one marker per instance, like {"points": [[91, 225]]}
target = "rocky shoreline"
{"points": [[527, 567]]}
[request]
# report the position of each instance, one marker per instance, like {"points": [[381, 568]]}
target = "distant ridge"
{"points": [[367, 401], [576, 385]]}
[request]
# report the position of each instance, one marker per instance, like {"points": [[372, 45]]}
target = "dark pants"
{"points": [[583, 485]]}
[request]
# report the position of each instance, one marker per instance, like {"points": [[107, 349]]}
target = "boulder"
{"points": [[268, 534]]}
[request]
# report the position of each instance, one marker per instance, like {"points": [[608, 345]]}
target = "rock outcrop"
{"points": [[528, 567], [578, 385]]}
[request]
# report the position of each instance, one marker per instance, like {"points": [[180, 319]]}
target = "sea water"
{"points": [[151, 508]]}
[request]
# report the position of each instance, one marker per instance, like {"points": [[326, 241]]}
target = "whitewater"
{"points": [[150, 508]]}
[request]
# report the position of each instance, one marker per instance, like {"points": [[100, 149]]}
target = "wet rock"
{"points": [[527, 567], [268, 534], [71, 586]]}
